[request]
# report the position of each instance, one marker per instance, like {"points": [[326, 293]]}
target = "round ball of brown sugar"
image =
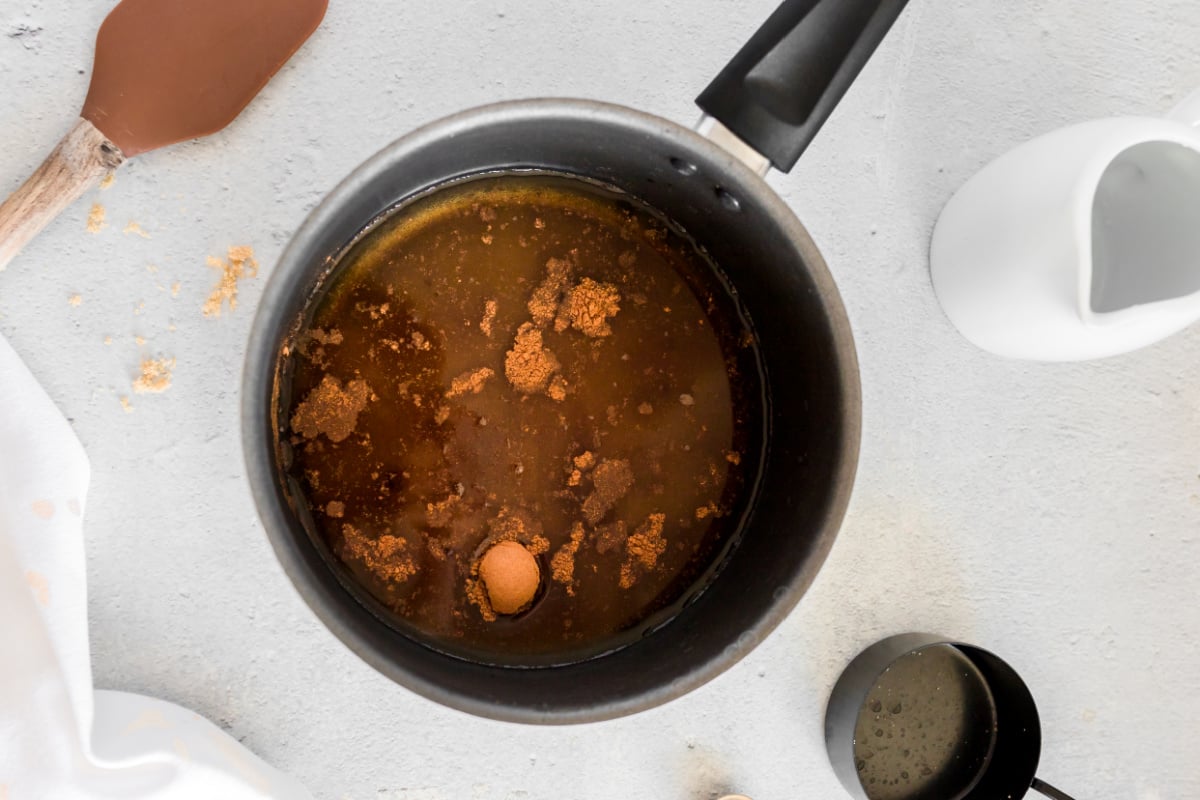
{"points": [[510, 574]]}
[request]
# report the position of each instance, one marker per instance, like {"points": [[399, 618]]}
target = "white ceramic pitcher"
{"points": [[1081, 243]]}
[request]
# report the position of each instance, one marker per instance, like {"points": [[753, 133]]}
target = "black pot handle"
{"points": [[1049, 791], [781, 87]]}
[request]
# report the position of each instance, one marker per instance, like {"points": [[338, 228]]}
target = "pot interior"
{"points": [[807, 363]]}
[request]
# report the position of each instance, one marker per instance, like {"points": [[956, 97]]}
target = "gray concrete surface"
{"points": [[1051, 513]]}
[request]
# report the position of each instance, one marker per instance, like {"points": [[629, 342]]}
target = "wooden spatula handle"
{"points": [[82, 157]]}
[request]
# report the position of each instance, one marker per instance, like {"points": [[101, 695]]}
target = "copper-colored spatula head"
{"points": [[165, 71], [169, 70]]}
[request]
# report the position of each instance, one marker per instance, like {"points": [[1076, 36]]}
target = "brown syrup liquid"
{"points": [[644, 442]]}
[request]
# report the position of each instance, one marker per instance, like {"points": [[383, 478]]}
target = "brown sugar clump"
{"points": [[489, 317], [330, 409], [470, 381], [587, 308], [562, 566], [543, 303], [239, 263], [557, 390], [441, 513], [645, 409], [511, 576], [642, 549], [384, 557], [155, 377], [611, 480], [335, 509], [75, 300], [529, 365], [611, 536], [585, 460]]}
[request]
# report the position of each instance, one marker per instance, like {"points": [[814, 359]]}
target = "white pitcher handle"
{"points": [[1188, 110]]}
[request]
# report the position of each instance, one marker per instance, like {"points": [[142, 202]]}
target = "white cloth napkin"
{"points": [[60, 738]]}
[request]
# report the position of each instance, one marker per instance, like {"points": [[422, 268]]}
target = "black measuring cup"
{"points": [[922, 717]]}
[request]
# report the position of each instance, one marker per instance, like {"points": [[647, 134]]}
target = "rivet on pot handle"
{"points": [[779, 89]]}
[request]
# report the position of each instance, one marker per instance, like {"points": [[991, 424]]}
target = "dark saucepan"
{"points": [[765, 107]]}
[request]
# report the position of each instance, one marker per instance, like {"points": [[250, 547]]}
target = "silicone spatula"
{"points": [[165, 71]]}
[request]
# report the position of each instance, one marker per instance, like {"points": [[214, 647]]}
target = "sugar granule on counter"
{"points": [[125, 404], [155, 377], [108, 180], [95, 220], [134, 228], [175, 289], [75, 300], [108, 340], [239, 263]]}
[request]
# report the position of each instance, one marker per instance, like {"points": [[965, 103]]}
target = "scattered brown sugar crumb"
{"points": [[139, 340], [330, 409], [156, 375], [133, 227], [95, 220], [687, 400], [333, 336], [75, 300], [642, 549], [477, 595], [335, 509], [543, 303], [420, 341], [611, 536], [383, 556], [529, 365], [562, 566], [441, 415], [470, 381], [585, 460], [611, 480], [489, 317], [645, 409], [125, 404], [706, 511], [733, 457], [557, 390], [108, 340], [575, 478], [587, 308], [441, 513], [239, 263], [175, 287], [538, 544], [108, 180]]}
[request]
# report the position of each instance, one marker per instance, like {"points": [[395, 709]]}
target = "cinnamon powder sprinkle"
{"points": [[155, 377], [470, 381], [330, 409], [642, 549], [239, 263]]}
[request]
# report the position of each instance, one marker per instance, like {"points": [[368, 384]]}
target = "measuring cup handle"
{"points": [[1187, 110], [1049, 791]]}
